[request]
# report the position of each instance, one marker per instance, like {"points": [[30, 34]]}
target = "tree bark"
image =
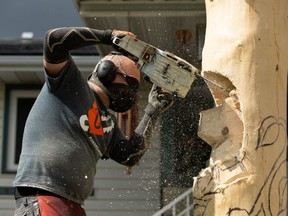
{"points": [[246, 55]]}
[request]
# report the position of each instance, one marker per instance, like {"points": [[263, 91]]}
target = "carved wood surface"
{"points": [[245, 52]]}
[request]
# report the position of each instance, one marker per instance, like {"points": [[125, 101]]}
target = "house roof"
{"points": [[19, 69], [170, 25], [24, 22], [23, 26], [35, 47]]}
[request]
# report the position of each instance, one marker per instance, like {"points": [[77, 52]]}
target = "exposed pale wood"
{"points": [[245, 52], [222, 128]]}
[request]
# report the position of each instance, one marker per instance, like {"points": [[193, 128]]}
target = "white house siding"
{"points": [[117, 193]]}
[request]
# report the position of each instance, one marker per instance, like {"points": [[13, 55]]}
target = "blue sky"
{"points": [[37, 16]]}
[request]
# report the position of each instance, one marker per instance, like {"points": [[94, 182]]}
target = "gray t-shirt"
{"points": [[67, 131]]}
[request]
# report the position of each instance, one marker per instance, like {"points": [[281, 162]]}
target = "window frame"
{"points": [[12, 94]]}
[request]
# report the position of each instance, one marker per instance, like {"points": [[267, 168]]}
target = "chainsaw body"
{"points": [[169, 72]]}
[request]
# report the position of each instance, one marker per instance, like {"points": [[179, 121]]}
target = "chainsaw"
{"points": [[166, 70]]}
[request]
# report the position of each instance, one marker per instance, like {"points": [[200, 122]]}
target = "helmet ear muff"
{"points": [[106, 71]]}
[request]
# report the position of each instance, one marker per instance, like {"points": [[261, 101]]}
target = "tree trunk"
{"points": [[246, 55]]}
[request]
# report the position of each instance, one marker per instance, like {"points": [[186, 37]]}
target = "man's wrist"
{"points": [[150, 110], [107, 39]]}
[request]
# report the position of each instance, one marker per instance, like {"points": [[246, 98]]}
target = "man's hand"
{"points": [[159, 99], [119, 33]]}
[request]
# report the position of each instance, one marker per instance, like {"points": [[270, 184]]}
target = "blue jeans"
{"points": [[27, 206]]}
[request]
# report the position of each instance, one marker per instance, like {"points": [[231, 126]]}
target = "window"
{"points": [[18, 102]]}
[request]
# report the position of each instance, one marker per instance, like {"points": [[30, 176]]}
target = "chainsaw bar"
{"points": [[213, 83]]}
